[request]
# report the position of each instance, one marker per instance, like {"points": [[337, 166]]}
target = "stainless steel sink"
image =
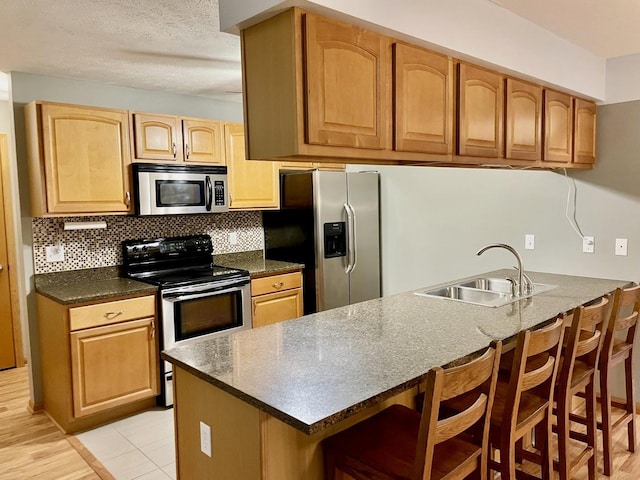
{"points": [[485, 291]]}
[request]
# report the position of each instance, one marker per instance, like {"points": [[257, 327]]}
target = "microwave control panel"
{"points": [[218, 193]]}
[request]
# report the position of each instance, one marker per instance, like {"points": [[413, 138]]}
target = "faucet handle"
{"points": [[514, 286]]}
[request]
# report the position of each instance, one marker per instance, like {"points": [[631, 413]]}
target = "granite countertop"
{"points": [[317, 370], [255, 263], [88, 285]]}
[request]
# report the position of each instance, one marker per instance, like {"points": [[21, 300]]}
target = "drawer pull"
{"points": [[112, 315], [278, 285]]}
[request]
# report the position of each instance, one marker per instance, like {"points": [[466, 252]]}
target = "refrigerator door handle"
{"points": [[351, 237]]}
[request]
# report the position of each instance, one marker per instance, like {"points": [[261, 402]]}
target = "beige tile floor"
{"points": [[141, 447]]}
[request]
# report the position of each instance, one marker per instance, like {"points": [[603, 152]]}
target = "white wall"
{"points": [[27, 88], [476, 30], [623, 79], [5, 124]]}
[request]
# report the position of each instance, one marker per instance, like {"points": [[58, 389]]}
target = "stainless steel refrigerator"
{"points": [[330, 222]]}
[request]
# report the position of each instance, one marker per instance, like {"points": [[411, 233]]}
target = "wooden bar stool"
{"points": [[400, 443], [577, 371], [524, 401], [615, 350]]}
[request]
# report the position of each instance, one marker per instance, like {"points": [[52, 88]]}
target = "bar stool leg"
{"points": [[507, 458], [592, 426], [631, 404], [605, 400], [562, 414]]}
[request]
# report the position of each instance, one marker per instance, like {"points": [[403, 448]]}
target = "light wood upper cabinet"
{"points": [[252, 184], [157, 137], [584, 141], [523, 120], [203, 141], [558, 127], [340, 167], [168, 138], [423, 93], [480, 112], [78, 159], [345, 68]]}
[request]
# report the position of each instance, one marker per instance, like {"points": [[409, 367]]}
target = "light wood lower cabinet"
{"points": [[99, 361], [276, 298]]}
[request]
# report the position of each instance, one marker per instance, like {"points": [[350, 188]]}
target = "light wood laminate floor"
{"points": [[32, 447]]}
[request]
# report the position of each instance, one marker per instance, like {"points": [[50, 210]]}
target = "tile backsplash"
{"points": [[102, 248]]}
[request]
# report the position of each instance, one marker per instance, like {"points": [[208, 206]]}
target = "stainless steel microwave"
{"points": [[162, 189]]}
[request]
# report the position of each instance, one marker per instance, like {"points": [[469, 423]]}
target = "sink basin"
{"points": [[484, 291]]}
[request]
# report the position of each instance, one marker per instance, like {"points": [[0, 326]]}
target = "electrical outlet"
{"points": [[205, 439], [588, 245], [233, 238], [529, 241], [54, 253], [621, 246]]}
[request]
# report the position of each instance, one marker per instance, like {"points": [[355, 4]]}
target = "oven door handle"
{"points": [[180, 296], [209, 193]]}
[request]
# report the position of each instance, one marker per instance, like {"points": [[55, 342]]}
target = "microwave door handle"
{"points": [[208, 193]]}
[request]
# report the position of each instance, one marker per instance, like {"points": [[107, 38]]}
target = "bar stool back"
{"points": [[524, 401], [400, 443], [577, 371], [615, 350]]}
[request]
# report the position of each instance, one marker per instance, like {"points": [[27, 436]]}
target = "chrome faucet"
{"points": [[525, 286]]}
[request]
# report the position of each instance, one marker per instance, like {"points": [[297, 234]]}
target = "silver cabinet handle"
{"points": [[127, 199], [230, 199], [175, 150], [153, 329], [278, 285], [112, 315], [1, 267], [188, 150]]}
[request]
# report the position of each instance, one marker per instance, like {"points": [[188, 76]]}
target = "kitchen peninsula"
{"points": [[270, 395]]}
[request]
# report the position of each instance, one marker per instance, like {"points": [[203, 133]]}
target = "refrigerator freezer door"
{"points": [[330, 195], [363, 197]]}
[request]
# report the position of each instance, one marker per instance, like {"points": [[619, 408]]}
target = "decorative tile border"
{"points": [[102, 248]]}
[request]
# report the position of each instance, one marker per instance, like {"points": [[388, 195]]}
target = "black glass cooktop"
{"points": [[191, 276]]}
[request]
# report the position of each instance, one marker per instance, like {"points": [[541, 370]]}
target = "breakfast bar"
{"points": [[262, 400]]}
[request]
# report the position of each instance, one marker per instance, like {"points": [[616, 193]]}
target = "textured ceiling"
{"points": [[176, 45], [151, 44]]}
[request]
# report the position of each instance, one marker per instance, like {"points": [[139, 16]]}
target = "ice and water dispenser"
{"points": [[335, 240]]}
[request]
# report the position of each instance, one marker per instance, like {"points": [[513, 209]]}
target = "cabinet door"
{"points": [[347, 97], [276, 307], [157, 137], [113, 365], [86, 159], [558, 127], [253, 184], [480, 112], [423, 101], [584, 142], [524, 120], [203, 141]]}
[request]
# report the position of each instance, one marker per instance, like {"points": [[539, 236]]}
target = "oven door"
{"points": [[202, 311]]}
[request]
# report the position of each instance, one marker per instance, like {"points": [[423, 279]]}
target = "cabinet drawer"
{"points": [[111, 312], [275, 283]]}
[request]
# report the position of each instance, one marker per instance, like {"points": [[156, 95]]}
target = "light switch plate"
{"points": [[588, 245], [529, 241], [621, 246], [233, 238], [54, 253]]}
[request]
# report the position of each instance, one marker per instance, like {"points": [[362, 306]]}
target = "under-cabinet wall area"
{"points": [[102, 247]]}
